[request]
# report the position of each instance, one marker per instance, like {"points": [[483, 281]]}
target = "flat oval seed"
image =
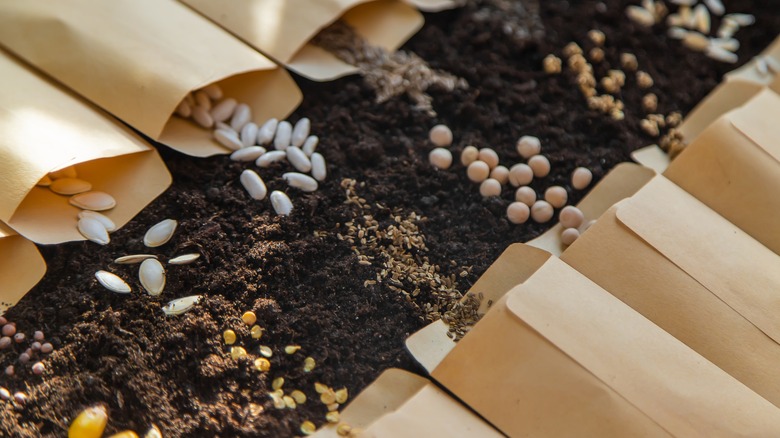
{"points": [[223, 110], [112, 282], [581, 178], [541, 212], [213, 91], [469, 155], [310, 145], [183, 109], [253, 184], [281, 203], [203, 99], [266, 351], [181, 305], [229, 336], [241, 116], [528, 146], [318, 168], [520, 175], [95, 201], [478, 171], [490, 188], [202, 117], [185, 259], [70, 186], [695, 41], [571, 217], [160, 233], [569, 235], [249, 134], [44, 182], [489, 156], [65, 172], [266, 132], [540, 165], [300, 132], [94, 230], [440, 158], [518, 212], [283, 135], [152, 276], [228, 138], [298, 159], [556, 196], [526, 195], [269, 158], [251, 153], [103, 219], [133, 259], [300, 181]]}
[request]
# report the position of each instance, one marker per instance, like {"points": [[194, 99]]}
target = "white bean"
{"points": [[202, 117], [266, 132], [249, 134], [241, 116], [318, 168], [440, 158], [224, 110], [108, 223], [281, 203], [251, 153], [310, 145], [283, 135], [300, 181], [298, 159], [300, 132], [227, 138], [253, 184], [270, 157]]}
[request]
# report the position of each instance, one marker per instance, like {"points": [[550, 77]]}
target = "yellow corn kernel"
{"points": [[89, 423], [256, 331], [229, 336], [249, 318], [237, 352], [262, 364]]}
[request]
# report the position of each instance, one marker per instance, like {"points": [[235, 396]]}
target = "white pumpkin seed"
{"points": [[203, 100], [249, 134], [181, 305], [213, 91], [696, 41], [153, 432], [722, 55], [70, 186], [640, 16], [742, 20], [108, 223], [228, 138], [65, 172], [223, 125], [251, 153], [310, 145], [318, 168], [298, 159], [266, 132], [152, 276], [241, 116], [160, 233], [202, 117], [253, 184], [271, 157], [283, 135], [185, 259], [300, 132], [300, 181], [223, 110], [183, 109], [44, 182], [133, 259], [701, 17], [716, 6], [93, 230], [95, 201], [281, 203], [112, 282]]}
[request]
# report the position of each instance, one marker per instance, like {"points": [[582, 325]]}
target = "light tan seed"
{"points": [[518, 212], [183, 110], [520, 174], [540, 165], [344, 429], [569, 235], [152, 276], [202, 99], [70, 186], [440, 158], [469, 155], [701, 16], [229, 336], [237, 352], [551, 64], [628, 61], [228, 138], [289, 402], [320, 388], [440, 135], [184, 259], [241, 116], [528, 146], [308, 428], [333, 417], [93, 230], [94, 200], [213, 91], [160, 233], [597, 37], [277, 383], [556, 196], [223, 110], [500, 174], [266, 351], [694, 41], [202, 117], [716, 6], [650, 102], [291, 349], [489, 156], [571, 217], [478, 171], [740, 19], [262, 364], [677, 33], [572, 49], [644, 80], [581, 178], [722, 55], [342, 395], [489, 188], [249, 318], [596, 54], [526, 195], [298, 396], [541, 212], [256, 331], [308, 364], [328, 397], [278, 400], [65, 172], [640, 16]]}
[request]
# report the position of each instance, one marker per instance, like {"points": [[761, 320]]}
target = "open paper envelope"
{"points": [[560, 356], [695, 275], [138, 59], [44, 128], [21, 267], [399, 403], [734, 168], [282, 29], [738, 87]]}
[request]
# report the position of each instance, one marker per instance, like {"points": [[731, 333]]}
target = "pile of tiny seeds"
{"points": [[692, 24], [13, 341], [235, 130]]}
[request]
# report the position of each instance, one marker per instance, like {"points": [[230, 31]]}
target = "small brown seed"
{"points": [[38, 368], [596, 54], [551, 64], [46, 348], [9, 329], [597, 37], [628, 61], [643, 79]]}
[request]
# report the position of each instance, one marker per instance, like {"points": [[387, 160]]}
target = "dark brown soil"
{"points": [[309, 289]]}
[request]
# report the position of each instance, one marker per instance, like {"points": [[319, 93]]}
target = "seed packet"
{"points": [[21, 267], [138, 59]]}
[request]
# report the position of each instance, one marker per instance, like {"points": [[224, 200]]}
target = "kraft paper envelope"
{"points": [[44, 128], [737, 88], [399, 403], [137, 59], [652, 157], [21, 267], [560, 356], [734, 168], [695, 275], [281, 29]]}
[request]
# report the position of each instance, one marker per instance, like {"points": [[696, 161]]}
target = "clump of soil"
{"points": [[307, 286]]}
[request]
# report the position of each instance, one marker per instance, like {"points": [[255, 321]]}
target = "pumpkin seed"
{"points": [[133, 259], [70, 186], [152, 276], [93, 230], [95, 201], [44, 182], [181, 305], [160, 233], [112, 282], [65, 172], [281, 203], [153, 432], [108, 223], [185, 259]]}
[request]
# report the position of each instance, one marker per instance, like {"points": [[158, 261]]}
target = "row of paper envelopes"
{"points": [[662, 319], [76, 74]]}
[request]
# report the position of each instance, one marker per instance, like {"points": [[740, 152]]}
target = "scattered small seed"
{"points": [[328, 397], [277, 383], [266, 132], [9, 370], [184, 259], [249, 317], [488, 156], [319, 170], [262, 364], [47, 348], [266, 351], [229, 336], [237, 352], [241, 116], [344, 429], [292, 349], [730, 44], [308, 364], [440, 158], [518, 212], [596, 54], [469, 155], [649, 127], [701, 18], [742, 20], [19, 338], [289, 402], [38, 336], [300, 181], [694, 41], [35, 346], [38, 368], [9, 329], [308, 428], [333, 417], [478, 171], [556, 196], [256, 331], [202, 99], [342, 395], [298, 159], [489, 188], [581, 178], [95, 201], [93, 230], [569, 235], [541, 212], [278, 400], [253, 184], [500, 174], [270, 157], [223, 110], [133, 259], [103, 219], [320, 388], [152, 276], [526, 195], [5, 342], [310, 145], [721, 54], [183, 109], [572, 49], [677, 33], [650, 102], [540, 165], [640, 16], [283, 135], [20, 398], [202, 117], [440, 135], [228, 138], [112, 282], [248, 135], [628, 61], [160, 233], [551, 64], [300, 132], [571, 217]]}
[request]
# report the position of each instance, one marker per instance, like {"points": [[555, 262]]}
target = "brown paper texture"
{"points": [[138, 59], [560, 356], [45, 128], [692, 273], [733, 168], [21, 267], [281, 29]]}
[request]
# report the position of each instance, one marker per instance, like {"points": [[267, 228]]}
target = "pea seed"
{"points": [[571, 217], [440, 158], [520, 175], [526, 195], [291, 349], [9, 370], [308, 364], [569, 235], [489, 188], [9, 329], [440, 135], [556, 196], [478, 171], [266, 351], [469, 155], [541, 212], [308, 428], [38, 335], [489, 156], [237, 352], [256, 331], [528, 146], [47, 348], [518, 213], [249, 317], [5, 342], [581, 178], [500, 174], [333, 417], [262, 364], [20, 398], [229, 336], [19, 338], [540, 165], [298, 396], [38, 368], [342, 395], [344, 430]]}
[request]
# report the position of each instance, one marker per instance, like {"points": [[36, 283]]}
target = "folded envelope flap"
{"points": [[21, 267], [725, 97], [757, 120], [137, 59], [727, 261], [750, 73], [434, 5], [679, 389]]}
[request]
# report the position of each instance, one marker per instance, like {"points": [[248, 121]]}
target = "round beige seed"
{"points": [[571, 217], [556, 196], [489, 156], [469, 155], [528, 146], [569, 235], [478, 171], [490, 187], [541, 212], [520, 175], [440, 158], [540, 165], [526, 195], [518, 212], [440, 135], [500, 174], [581, 178]]}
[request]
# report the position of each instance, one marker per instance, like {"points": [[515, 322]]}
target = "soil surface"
{"points": [[305, 284]]}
